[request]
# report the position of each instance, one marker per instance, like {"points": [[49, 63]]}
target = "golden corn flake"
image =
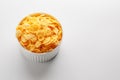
{"points": [[18, 33], [39, 33], [37, 44]]}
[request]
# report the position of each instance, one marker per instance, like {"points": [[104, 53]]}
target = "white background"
{"points": [[90, 48]]}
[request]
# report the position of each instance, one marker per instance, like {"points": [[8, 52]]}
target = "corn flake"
{"points": [[39, 32]]}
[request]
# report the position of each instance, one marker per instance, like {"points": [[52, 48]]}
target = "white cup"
{"points": [[39, 57]]}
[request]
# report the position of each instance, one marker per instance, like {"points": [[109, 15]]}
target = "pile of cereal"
{"points": [[39, 33]]}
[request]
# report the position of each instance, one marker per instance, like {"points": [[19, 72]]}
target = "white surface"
{"points": [[91, 43]]}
